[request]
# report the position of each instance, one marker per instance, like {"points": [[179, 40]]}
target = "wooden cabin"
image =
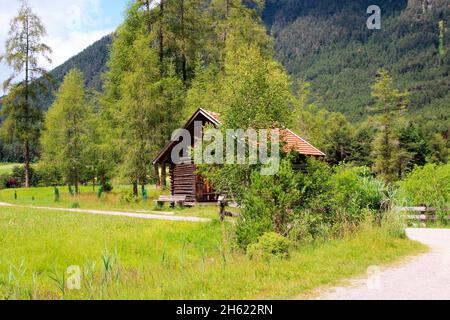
{"points": [[184, 181]]}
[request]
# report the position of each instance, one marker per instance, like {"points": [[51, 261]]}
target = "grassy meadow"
{"points": [[126, 258], [118, 200], [6, 168]]}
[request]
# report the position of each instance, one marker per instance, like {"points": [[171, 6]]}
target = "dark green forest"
{"points": [[328, 44]]}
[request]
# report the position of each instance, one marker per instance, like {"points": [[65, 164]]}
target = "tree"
{"points": [[99, 153], [389, 102], [189, 27], [64, 140], [23, 50], [439, 152], [414, 144], [149, 108], [255, 91]]}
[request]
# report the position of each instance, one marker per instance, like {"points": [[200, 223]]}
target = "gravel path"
{"points": [[167, 216], [423, 277]]}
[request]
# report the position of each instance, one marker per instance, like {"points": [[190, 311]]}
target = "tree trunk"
{"points": [[161, 36], [135, 189], [183, 49], [27, 164], [27, 112], [149, 23], [227, 15], [93, 179]]}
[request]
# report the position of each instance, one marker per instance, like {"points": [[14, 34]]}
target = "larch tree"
{"points": [[64, 140], [149, 111], [24, 47], [389, 103]]}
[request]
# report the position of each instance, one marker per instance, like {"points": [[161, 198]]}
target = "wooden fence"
{"points": [[422, 213]]}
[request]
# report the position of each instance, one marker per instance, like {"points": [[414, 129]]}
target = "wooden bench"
{"points": [[173, 200]]}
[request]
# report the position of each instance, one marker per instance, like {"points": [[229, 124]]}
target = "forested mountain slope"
{"points": [[91, 61], [327, 43]]}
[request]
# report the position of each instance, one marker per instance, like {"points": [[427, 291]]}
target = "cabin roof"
{"points": [[293, 141]]}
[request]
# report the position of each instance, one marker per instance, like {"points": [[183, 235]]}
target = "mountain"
{"points": [[91, 61], [328, 44]]}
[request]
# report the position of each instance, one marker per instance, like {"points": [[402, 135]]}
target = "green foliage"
{"points": [[64, 140], [269, 245], [353, 190], [256, 91], [439, 150], [268, 205], [24, 49], [389, 161], [428, 185]]}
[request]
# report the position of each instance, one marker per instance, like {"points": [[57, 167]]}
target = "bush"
{"points": [[75, 205], [269, 204], [269, 245], [48, 175], [428, 185], [352, 194], [308, 226], [6, 182]]}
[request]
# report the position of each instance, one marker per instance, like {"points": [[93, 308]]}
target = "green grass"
{"points": [[8, 167], [88, 199], [168, 260]]}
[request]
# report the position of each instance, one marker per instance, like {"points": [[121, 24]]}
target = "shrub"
{"points": [[308, 226], [129, 198], [75, 205], [353, 193], [269, 245], [269, 204], [48, 175], [428, 185]]}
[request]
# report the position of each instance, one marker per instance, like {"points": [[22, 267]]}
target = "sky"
{"points": [[72, 25]]}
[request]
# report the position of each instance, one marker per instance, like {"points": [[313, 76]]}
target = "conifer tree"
{"points": [[64, 139], [390, 102], [24, 47]]}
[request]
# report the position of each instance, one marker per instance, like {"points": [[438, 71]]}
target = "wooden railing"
{"points": [[422, 213]]}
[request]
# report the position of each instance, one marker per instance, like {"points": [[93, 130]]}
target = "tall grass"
{"points": [[124, 258]]}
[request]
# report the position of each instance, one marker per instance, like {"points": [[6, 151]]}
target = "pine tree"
{"points": [[23, 50], [64, 140], [390, 102]]}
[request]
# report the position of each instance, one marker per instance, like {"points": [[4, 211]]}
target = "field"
{"points": [[119, 199], [126, 258], [7, 167]]}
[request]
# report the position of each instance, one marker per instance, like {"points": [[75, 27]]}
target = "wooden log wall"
{"points": [[182, 181]]}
